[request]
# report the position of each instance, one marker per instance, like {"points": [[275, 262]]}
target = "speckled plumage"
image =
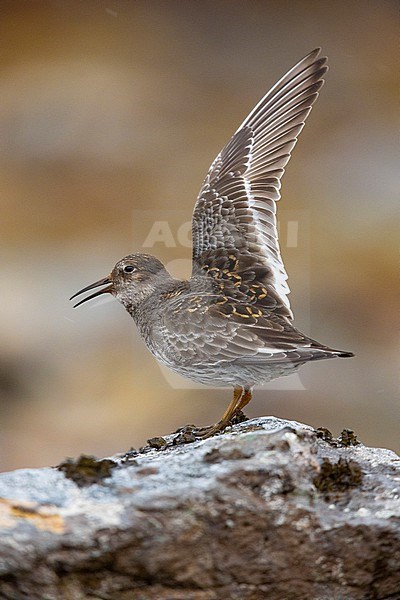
{"points": [[231, 322]]}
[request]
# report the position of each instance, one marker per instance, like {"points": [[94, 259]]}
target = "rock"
{"points": [[270, 509]]}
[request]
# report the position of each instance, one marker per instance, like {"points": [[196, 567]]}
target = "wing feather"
{"points": [[236, 206]]}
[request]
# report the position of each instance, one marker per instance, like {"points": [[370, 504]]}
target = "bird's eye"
{"points": [[129, 269]]}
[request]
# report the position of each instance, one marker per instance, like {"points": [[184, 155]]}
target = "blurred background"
{"points": [[111, 113]]}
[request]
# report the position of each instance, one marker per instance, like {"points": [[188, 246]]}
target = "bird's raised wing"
{"points": [[236, 208]]}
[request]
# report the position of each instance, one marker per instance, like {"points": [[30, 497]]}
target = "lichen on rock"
{"points": [[270, 509]]}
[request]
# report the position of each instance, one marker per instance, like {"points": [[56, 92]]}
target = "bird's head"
{"points": [[132, 280]]}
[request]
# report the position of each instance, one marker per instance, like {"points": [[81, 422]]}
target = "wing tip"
{"points": [[315, 56], [314, 53]]}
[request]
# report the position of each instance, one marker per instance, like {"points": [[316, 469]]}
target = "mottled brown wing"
{"points": [[235, 212], [210, 328]]}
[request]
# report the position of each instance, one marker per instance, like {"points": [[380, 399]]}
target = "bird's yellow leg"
{"points": [[233, 407], [244, 399]]}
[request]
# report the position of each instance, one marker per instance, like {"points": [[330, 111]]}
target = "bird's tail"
{"points": [[344, 354], [327, 351]]}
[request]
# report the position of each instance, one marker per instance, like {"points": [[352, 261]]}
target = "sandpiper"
{"points": [[231, 324]]}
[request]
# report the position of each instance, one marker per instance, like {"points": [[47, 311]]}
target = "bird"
{"points": [[230, 324]]}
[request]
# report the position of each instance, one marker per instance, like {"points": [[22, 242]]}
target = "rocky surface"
{"points": [[270, 509]]}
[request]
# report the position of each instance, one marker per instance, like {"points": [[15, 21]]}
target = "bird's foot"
{"points": [[202, 433], [191, 433]]}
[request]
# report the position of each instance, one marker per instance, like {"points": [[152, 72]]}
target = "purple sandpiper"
{"points": [[231, 324]]}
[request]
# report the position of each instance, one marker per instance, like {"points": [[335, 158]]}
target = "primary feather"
{"points": [[236, 206]]}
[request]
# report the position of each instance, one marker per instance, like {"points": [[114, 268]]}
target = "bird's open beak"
{"points": [[107, 281]]}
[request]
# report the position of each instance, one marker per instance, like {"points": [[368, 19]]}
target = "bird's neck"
{"points": [[149, 293]]}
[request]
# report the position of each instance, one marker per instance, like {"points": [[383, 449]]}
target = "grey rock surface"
{"points": [[271, 510]]}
